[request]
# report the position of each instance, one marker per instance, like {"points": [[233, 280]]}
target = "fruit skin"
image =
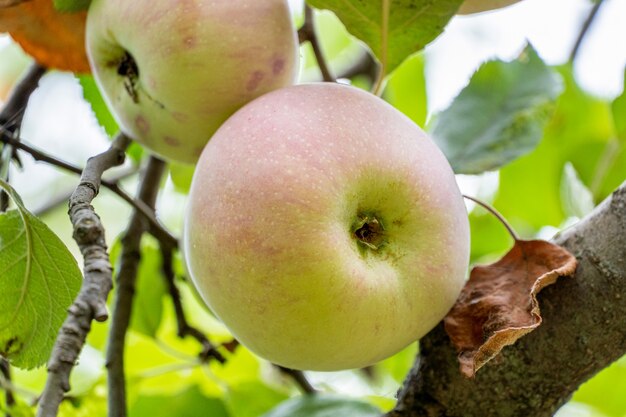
{"points": [[270, 237], [477, 6], [197, 63]]}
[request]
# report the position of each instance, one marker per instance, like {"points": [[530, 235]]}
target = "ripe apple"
{"points": [[325, 229], [173, 71], [477, 6]]}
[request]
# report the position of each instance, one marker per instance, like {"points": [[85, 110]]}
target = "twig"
{"points": [[307, 33], [63, 196], [10, 3], [20, 95], [155, 227], [184, 328], [299, 378], [364, 65], [5, 371], [495, 212], [11, 119], [91, 300], [585, 29], [125, 280]]}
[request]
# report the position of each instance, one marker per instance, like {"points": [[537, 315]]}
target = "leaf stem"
{"points": [[496, 214], [384, 49]]}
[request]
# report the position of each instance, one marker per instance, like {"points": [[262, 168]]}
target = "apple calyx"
{"points": [[369, 231], [127, 68]]}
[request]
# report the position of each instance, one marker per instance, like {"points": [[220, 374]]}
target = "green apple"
{"points": [[325, 229], [477, 6], [173, 71]]}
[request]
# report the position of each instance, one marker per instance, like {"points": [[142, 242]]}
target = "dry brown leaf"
{"points": [[498, 304], [54, 39]]}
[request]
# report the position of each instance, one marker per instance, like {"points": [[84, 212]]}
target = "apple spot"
{"points": [[255, 79], [190, 42], [278, 66], [369, 231], [142, 124], [128, 69], [171, 141]]}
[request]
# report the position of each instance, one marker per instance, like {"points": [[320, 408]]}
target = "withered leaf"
{"points": [[54, 39], [498, 304]]}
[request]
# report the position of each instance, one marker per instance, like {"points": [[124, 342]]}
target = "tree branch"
{"points": [[11, 120], [184, 328], [307, 33], [5, 373], [91, 300], [156, 228], [299, 378], [10, 3], [582, 332], [14, 108], [585, 29], [125, 280]]}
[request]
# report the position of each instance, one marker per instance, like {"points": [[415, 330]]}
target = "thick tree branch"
{"points": [[91, 300], [585, 29], [184, 328], [307, 33], [125, 280], [583, 331], [155, 227]]}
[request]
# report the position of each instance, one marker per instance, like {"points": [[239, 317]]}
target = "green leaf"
{"points": [[406, 89], [252, 398], [39, 278], [150, 289], [98, 105], [393, 29], [576, 197], [71, 5], [189, 403], [579, 131], [323, 406], [499, 116]]}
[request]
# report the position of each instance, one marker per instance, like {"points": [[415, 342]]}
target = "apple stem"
{"points": [[370, 232], [496, 214]]}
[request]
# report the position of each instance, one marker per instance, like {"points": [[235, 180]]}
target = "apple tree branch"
{"points": [[583, 331], [90, 303], [156, 228], [125, 287], [184, 328], [307, 33]]}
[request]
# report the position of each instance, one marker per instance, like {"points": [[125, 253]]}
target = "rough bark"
{"points": [[584, 330], [90, 303]]}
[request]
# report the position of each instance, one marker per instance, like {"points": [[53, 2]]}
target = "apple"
{"points": [[325, 229], [477, 6], [173, 71]]}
